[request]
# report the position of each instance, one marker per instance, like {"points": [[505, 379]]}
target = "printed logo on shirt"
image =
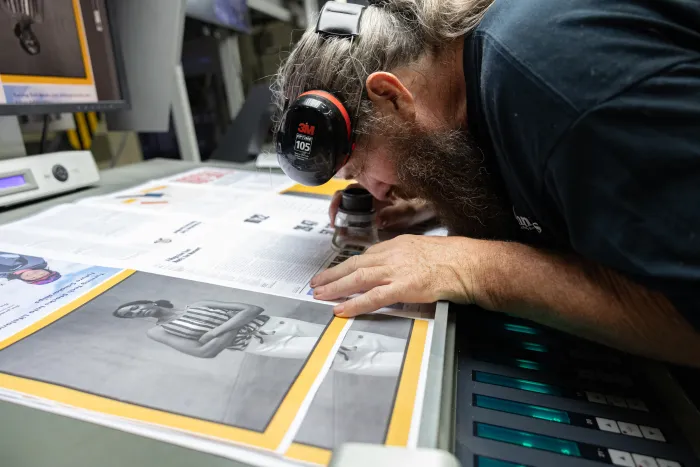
{"points": [[525, 223]]}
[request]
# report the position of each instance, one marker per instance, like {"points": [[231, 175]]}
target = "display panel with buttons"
{"points": [[529, 396]]}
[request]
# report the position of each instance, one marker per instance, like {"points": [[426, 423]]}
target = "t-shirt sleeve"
{"points": [[626, 180]]}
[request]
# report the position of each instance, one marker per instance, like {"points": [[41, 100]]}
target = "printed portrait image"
{"points": [[190, 348], [28, 269]]}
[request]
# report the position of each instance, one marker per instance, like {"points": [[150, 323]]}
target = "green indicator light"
{"points": [[527, 364], [533, 346], [518, 408], [515, 383], [526, 439], [520, 328], [534, 386], [487, 462]]}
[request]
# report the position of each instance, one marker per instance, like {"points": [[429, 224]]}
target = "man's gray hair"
{"points": [[393, 33]]}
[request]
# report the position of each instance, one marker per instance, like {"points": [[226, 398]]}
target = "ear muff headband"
{"points": [[317, 134], [335, 102]]}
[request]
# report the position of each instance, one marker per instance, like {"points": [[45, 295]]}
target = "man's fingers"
{"points": [[373, 300], [335, 204], [395, 216], [345, 268], [359, 281]]}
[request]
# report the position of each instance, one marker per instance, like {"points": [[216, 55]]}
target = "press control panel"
{"points": [[25, 179], [529, 396]]}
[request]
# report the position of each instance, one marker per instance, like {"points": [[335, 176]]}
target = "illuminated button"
{"points": [[621, 458], [488, 462], [528, 440], [617, 401], [519, 328], [515, 383], [534, 347], [637, 404], [607, 425], [667, 463], [644, 461], [518, 408], [527, 364], [596, 397], [652, 433], [629, 429]]}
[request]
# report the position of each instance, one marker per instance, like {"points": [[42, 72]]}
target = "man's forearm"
{"points": [[584, 299]]}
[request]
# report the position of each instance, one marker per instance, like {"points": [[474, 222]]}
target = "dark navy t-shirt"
{"points": [[591, 110]]}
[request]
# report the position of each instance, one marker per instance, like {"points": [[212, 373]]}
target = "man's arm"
{"points": [[563, 292], [581, 298]]}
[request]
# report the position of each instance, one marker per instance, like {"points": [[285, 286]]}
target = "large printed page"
{"points": [[223, 204], [87, 232], [180, 310], [148, 353]]}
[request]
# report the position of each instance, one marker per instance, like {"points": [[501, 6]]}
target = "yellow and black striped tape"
{"points": [[85, 129]]}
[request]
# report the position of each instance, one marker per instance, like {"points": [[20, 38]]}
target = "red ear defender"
{"points": [[317, 134], [338, 105], [315, 138]]}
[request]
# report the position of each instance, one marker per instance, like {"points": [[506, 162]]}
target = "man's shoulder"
{"points": [[587, 51]]}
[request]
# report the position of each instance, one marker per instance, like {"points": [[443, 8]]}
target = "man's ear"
{"points": [[390, 96]]}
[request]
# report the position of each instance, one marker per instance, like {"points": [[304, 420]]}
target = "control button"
{"points": [[644, 461], [629, 429], [596, 397], [621, 458], [586, 374], [667, 463], [607, 425], [617, 401], [637, 404], [60, 173], [652, 433]]}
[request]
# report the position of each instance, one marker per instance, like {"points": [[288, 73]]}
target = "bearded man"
{"points": [[558, 140]]}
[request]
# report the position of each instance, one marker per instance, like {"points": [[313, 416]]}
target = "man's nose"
{"points": [[378, 189]]}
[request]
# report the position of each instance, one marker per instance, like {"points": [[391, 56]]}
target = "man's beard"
{"points": [[447, 168]]}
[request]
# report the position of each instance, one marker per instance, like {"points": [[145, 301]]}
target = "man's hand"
{"points": [[409, 268], [392, 214]]}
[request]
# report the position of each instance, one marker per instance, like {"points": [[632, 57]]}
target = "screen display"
{"points": [[12, 181], [56, 52]]}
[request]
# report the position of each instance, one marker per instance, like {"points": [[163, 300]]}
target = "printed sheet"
{"points": [[198, 328]]}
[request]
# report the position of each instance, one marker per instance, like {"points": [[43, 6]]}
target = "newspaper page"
{"points": [[155, 354], [264, 181]]}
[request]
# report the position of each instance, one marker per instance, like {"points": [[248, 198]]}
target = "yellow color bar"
{"points": [[328, 188], [400, 424], [306, 453]]}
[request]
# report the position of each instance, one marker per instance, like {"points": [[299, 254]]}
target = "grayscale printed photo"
{"points": [[195, 349], [356, 399]]}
